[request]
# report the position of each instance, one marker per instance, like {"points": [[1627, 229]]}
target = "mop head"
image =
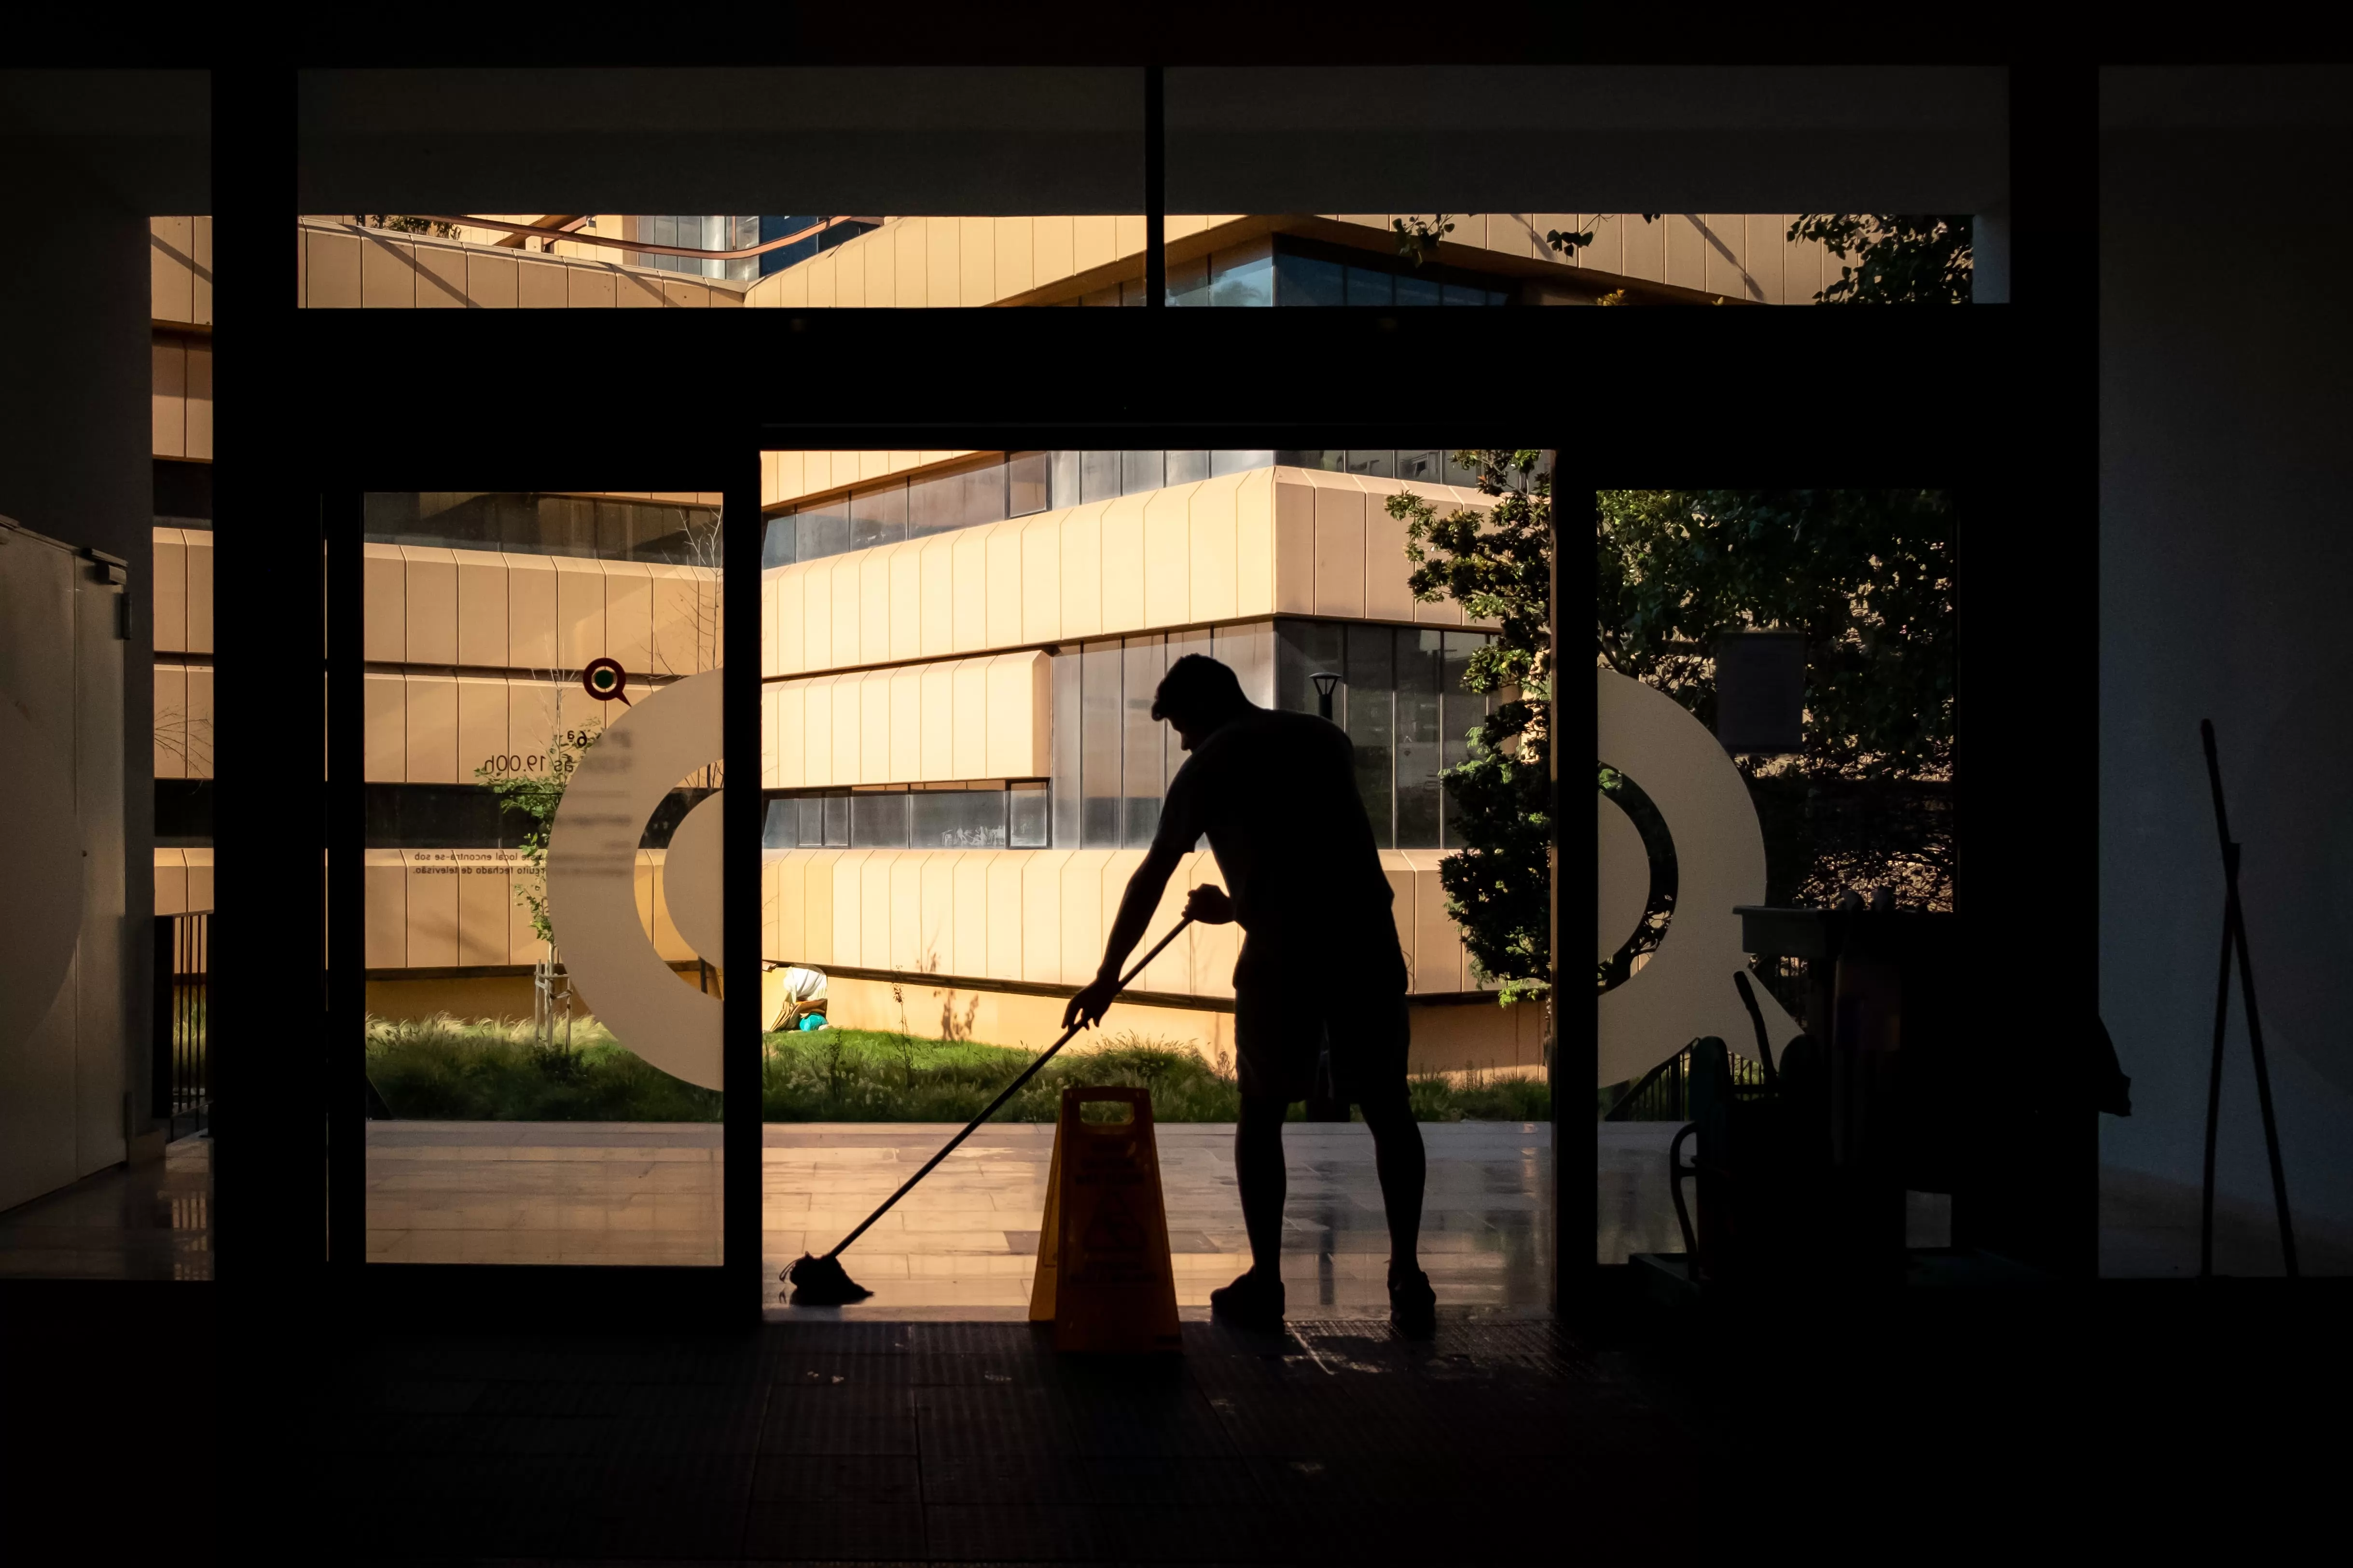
{"points": [[822, 1282]]}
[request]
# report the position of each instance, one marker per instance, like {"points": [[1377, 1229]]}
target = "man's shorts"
{"points": [[1279, 1033]]}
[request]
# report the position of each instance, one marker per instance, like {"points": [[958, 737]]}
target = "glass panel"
{"points": [[1458, 474], [1425, 466], [1238, 462], [1028, 811], [1141, 471], [1412, 290], [1371, 723], [957, 819], [1463, 294], [526, 1124], [836, 822], [1249, 652], [812, 823], [1065, 490], [934, 504], [1374, 465], [1303, 647], [878, 819], [1366, 286], [780, 829], [1065, 752], [1184, 468], [1334, 462], [1180, 645], [824, 528], [1146, 660], [1026, 483], [1188, 281], [1243, 276], [1306, 280], [1462, 713], [776, 544], [1099, 746], [878, 516], [1098, 476], [1419, 739]]}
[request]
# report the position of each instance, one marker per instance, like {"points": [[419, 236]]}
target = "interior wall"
{"points": [[2224, 559]]}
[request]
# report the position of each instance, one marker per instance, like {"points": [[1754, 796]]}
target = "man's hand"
{"points": [[1209, 905], [1088, 1005]]}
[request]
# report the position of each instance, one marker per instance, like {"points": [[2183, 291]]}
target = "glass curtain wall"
{"points": [[524, 1110]]}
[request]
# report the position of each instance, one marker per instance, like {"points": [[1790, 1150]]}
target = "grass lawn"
{"points": [[480, 1070]]}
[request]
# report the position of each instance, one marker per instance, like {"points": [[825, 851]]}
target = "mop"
{"points": [[822, 1282]]}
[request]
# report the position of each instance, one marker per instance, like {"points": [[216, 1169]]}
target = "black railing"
{"points": [[1663, 1094], [183, 1083]]}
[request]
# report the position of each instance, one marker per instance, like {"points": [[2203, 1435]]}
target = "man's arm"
{"points": [[1136, 907]]}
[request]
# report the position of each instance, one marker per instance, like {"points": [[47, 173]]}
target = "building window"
{"points": [[992, 814], [470, 817], [525, 524]]}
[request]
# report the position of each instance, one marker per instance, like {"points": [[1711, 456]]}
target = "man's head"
{"points": [[1196, 695]]}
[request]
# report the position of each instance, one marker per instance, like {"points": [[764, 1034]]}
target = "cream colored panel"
{"points": [[387, 909], [1398, 868], [384, 621], [481, 581], [771, 730], [1050, 250], [200, 590], [787, 932], [848, 729], [971, 745], [936, 564], [1041, 915], [970, 605], [579, 611], [1082, 570], [874, 747], [1437, 946], [846, 636], [168, 401], [817, 733], [432, 706], [441, 278], [171, 721], [1128, 233], [686, 294], [1387, 593], [977, 265], [905, 619], [1123, 564], [384, 712], [330, 271], [863, 271], [1209, 547], [963, 945], [1339, 550], [170, 596], [524, 943], [669, 943], [483, 900], [874, 606], [1020, 716], [631, 291], [1172, 971], [481, 731], [1095, 241], [906, 687], [819, 887], [491, 281], [429, 579], [200, 401], [629, 613], [909, 289], [432, 912], [171, 882], [171, 272], [1004, 916], [874, 911], [1041, 577], [1014, 236], [938, 725], [771, 624], [200, 723], [388, 273], [1168, 557], [1082, 915], [1254, 541], [1687, 251], [825, 278], [792, 735], [815, 581], [1003, 541], [942, 262], [934, 936], [531, 611], [1294, 547], [590, 288]]}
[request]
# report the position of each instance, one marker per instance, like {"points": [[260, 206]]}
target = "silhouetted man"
{"points": [[1276, 794]]}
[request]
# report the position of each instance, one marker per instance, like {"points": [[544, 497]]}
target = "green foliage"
{"points": [[1497, 565], [1417, 237], [1896, 259], [397, 224], [534, 796], [448, 1069]]}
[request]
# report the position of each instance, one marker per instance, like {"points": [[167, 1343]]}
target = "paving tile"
{"points": [[839, 1420], [834, 1531], [872, 1479]]}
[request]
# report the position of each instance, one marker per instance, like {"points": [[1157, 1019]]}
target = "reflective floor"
{"points": [[153, 1222]]}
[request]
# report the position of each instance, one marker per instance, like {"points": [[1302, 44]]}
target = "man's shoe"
{"points": [[1250, 1302], [1413, 1305]]}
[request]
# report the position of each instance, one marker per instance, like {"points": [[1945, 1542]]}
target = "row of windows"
{"points": [[701, 233], [1020, 483], [1013, 816], [1401, 699], [535, 525], [1294, 272], [470, 817]]}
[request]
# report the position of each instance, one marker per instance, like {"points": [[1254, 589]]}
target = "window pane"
{"points": [[1418, 738], [1303, 647], [1377, 464], [1366, 286], [1411, 290], [1242, 277], [1026, 805], [1141, 471], [1463, 711], [1304, 280], [812, 823], [983, 496], [1066, 750], [1145, 661], [781, 828], [1238, 462], [776, 544], [824, 529], [1463, 294], [1026, 476], [1249, 652], [1172, 746], [1064, 489], [934, 505], [1331, 462], [836, 822], [1458, 474], [877, 820], [1371, 723], [1099, 746], [1184, 468], [1098, 476], [1427, 466], [957, 819], [1188, 281], [878, 516]]}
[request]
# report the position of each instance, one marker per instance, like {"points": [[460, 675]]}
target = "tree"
{"points": [[532, 790], [1897, 260], [1496, 562], [1867, 577], [396, 224]]}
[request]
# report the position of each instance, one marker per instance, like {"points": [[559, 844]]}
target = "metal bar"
{"points": [[647, 246], [741, 1051], [1156, 187]]}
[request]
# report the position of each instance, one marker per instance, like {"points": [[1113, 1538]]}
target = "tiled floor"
{"points": [[152, 1222]]}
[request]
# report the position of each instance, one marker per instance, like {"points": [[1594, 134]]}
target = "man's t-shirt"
{"points": [[1276, 793]]}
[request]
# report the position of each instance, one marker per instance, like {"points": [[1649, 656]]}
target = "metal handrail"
{"points": [[646, 246]]}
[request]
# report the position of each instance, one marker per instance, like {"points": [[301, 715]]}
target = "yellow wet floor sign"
{"points": [[1103, 1274]]}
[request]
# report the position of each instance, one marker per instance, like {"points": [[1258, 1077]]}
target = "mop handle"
{"points": [[994, 1105]]}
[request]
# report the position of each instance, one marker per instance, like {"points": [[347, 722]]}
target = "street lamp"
{"points": [[1325, 680]]}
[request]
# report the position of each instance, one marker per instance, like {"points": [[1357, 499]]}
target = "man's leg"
{"points": [[1397, 1158], [1258, 1173]]}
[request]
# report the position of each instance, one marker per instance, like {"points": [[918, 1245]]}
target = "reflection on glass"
{"points": [[1184, 468], [1188, 281], [1370, 722], [1100, 746], [878, 516], [1067, 722], [1141, 471], [1026, 483], [1415, 291], [957, 819], [1098, 476], [1308, 280], [1366, 286], [1462, 712], [1143, 663], [776, 542], [1417, 736], [1242, 277], [1224, 462], [1374, 465], [1026, 812], [877, 820]]}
